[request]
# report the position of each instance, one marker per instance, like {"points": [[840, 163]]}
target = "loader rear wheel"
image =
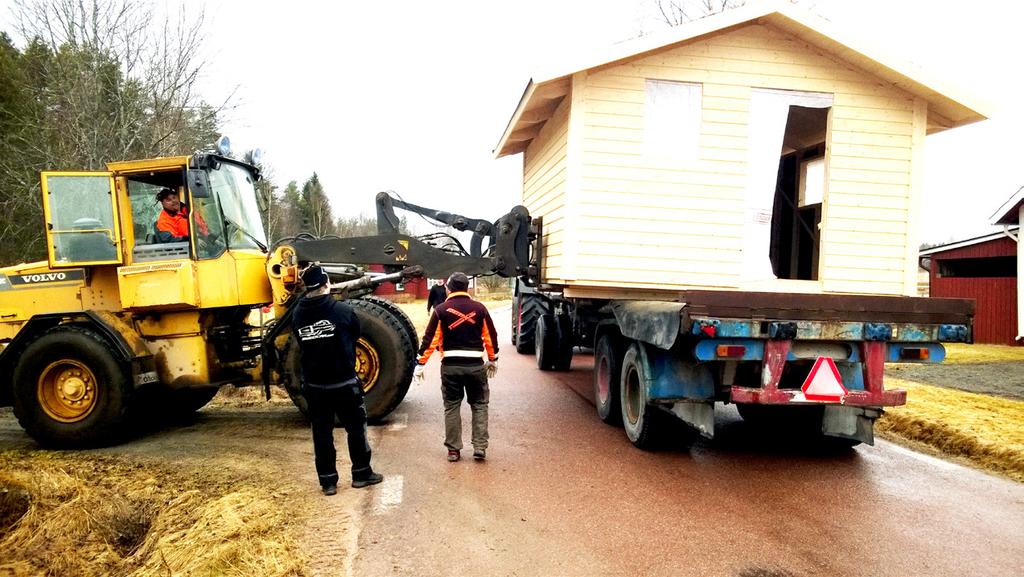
{"points": [[70, 390], [527, 310], [642, 422], [385, 358], [607, 375]]}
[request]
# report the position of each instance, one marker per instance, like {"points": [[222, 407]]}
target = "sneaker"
{"points": [[331, 489], [480, 454], [454, 456], [373, 479]]}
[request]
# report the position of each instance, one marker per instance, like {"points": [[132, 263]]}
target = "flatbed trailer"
{"points": [[814, 361]]}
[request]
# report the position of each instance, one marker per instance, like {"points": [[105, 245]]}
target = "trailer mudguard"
{"points": [[652, 322]]}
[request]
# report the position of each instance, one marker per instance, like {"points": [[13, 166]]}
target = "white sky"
{"points": [[413, 95]]}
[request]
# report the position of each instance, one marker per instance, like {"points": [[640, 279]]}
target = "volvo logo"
{"points": [[47, 277]]}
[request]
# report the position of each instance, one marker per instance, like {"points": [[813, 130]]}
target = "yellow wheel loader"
{"points": [[117, 324]]}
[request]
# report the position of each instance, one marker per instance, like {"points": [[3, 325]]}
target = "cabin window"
{"points": [[787, 184], [672, 112]]}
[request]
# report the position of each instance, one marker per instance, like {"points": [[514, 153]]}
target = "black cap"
{"points": [[165, 192], [458, 282], [314, 277]]}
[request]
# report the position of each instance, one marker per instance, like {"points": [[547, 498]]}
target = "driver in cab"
{"points": [[172, 224]]}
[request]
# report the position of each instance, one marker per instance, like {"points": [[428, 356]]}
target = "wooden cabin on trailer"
{"points": [[762, 148]]}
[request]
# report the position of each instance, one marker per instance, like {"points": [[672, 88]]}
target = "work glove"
{"points": [[492, 368], [417, 374]]}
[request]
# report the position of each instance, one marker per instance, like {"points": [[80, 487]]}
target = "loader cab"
{"points": [[109, 218]]}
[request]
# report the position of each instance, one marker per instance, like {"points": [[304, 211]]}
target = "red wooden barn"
{"points": [[417, 288], [983, 269]]}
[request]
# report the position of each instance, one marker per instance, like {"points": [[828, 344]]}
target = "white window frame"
{"points": [[672, 119]]}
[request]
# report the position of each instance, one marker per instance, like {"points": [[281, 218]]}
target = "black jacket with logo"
{"points": [[460, 325], [327, 331]]}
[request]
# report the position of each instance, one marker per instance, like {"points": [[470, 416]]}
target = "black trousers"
{"points": [[345, 403]]}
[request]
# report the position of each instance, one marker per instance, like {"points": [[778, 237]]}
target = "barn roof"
{"points": [[948, 105], [1009, 213], [968, 242]]}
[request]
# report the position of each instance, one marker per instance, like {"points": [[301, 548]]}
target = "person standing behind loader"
{"points": [[437, 295], [327, 331], [462, 330]]}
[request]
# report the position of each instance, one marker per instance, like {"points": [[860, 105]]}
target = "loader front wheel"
{"points": [[70, 390], [385, 355], [526, 312]]}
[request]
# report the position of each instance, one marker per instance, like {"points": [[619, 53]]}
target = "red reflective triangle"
{"points": [[823, 382]]}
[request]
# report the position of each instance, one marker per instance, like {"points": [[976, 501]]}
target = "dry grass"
{"points": [[417, 311], [987, 431], [966, 354], [84, 514]]}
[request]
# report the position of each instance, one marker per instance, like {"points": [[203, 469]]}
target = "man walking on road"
{"points": [[437, 295], [327, 331], [462, 330]]}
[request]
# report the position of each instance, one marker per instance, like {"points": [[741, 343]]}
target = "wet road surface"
{"points": [[564, 494]]}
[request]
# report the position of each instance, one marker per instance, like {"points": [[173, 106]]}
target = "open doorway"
{"points": [[799, 193]]}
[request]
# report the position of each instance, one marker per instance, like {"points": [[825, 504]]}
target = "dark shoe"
{"points": [[330, 490], [479, 454], [454, 456], [373, 479]]}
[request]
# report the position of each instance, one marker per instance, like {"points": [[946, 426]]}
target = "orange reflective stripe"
{"points": [[462, 318], [435, 343], [485, 334]]}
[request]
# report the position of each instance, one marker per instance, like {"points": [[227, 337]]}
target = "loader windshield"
{"points": [[235, 189]]}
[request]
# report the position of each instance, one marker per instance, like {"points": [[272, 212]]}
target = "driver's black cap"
{"points": [[314, 277], [165, 192]]}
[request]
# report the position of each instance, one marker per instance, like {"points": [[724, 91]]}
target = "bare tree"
{"points": [[676, 12]]}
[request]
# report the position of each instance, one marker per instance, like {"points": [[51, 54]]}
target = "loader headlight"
{"points": [[224, 145]]}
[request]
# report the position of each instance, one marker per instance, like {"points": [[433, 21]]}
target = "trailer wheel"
{"points": [[564, 344], [525, 315], [546, 342], [70, 389], [607, 374], [385, 358], [641, 421]]}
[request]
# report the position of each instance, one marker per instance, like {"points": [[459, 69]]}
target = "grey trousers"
{"points": [[457, 380]]}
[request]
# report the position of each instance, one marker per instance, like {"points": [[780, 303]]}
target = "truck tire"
{"points": [[70, 389], [527, 310], [641, 421], [546, 341], [385, 353], [564, 344], [607, 374]]}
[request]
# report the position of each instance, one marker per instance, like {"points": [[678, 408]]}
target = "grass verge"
{"points": [[966, 354], [63, 514], [986, 431]]}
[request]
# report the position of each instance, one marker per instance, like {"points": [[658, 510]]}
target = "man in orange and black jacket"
{"points": [[462, 331]]}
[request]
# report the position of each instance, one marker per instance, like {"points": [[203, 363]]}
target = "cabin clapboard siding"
{"points": [[544, 188], [652, 223]]}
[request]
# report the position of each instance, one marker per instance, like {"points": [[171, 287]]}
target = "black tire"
{"points": [[607, 375], [564, 344], [525, 314], [187, 401], [641, 421], [70, 389], [546, 342], [395, 347], [397, 312]]}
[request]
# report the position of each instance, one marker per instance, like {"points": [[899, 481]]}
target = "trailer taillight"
{"points": [[730, 351], [914, 354]]}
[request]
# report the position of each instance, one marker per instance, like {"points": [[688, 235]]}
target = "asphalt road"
{"points": [[564, 494]]}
